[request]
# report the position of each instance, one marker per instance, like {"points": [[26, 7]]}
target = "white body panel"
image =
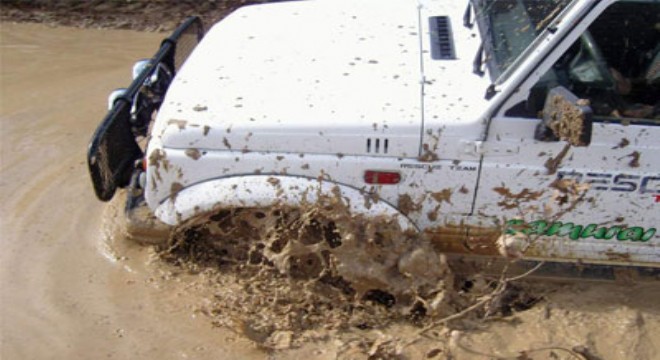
{"points": [[327, 90], [317, 72], [620, 192], [454, 100], [622, 181]]}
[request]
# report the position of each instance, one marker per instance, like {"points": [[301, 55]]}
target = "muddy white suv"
{"points": [[491, 127]]}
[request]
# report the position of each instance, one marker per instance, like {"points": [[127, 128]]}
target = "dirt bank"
{"points": [[149, 15]]}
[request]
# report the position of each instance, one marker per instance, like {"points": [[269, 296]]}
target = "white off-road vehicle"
{"points": [[489, 128]]}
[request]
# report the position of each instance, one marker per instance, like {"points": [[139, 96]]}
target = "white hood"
{"points": [[311, 76]]}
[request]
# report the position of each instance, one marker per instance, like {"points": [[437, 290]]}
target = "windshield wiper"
{"points": [[478, 63], [467, 17]]}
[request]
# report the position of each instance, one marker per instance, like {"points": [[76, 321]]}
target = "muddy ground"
{"points": [[74, 286], [146, 15]]}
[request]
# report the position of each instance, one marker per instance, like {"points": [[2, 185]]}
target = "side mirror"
{"points": [[565, 117]]}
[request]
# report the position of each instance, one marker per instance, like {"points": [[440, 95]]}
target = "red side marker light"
{"points": [[657, 198], [382, 177]]}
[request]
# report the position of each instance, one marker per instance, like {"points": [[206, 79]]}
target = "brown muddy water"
{"points": [[74, 287]]}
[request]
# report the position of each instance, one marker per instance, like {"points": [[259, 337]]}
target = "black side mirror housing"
{"points": [[565, 117]]}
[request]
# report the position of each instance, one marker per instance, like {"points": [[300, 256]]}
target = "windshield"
{"points": [[509, 27]]}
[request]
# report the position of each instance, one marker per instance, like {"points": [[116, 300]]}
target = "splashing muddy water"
{"points": [[74, 287]]}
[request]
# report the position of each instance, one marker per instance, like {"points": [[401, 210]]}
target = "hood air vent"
{"points": [[442, 39], [378, 146]]}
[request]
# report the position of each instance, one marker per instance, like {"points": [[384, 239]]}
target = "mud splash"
{"points": [[269, 281], [317, 267]]}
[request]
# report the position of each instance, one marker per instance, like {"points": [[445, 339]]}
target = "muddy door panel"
{"points": [[595, 203]]}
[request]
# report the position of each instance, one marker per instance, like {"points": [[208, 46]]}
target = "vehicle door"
{"points": [[588, 187]]}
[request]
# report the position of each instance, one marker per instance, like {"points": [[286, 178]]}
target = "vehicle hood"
{"points": [[340, 76]]}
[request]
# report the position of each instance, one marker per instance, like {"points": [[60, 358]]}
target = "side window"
{"points": [[615, 64]]}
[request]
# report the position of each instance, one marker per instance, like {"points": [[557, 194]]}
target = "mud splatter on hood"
{"points": [[273, 71]]}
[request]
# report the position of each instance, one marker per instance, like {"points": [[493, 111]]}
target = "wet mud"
{"points": [[71, 286], [245, 284], [145, 15]]}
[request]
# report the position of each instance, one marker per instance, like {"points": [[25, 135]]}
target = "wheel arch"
{"points": [[267, 190]]}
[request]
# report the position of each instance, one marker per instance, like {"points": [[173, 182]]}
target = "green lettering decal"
{"points": [[632, 234], [636, 234], [569, 229], [576, 232], [554, 229], [648, 235], [590, 231], [514, 226], [538, 227], [611, 232]]}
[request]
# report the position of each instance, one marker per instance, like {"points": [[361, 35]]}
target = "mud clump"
{"points": [[568, 122], [553, 163], [634, 162]]}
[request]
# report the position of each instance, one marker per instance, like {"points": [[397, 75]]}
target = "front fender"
{"points": [[267, 190]]}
